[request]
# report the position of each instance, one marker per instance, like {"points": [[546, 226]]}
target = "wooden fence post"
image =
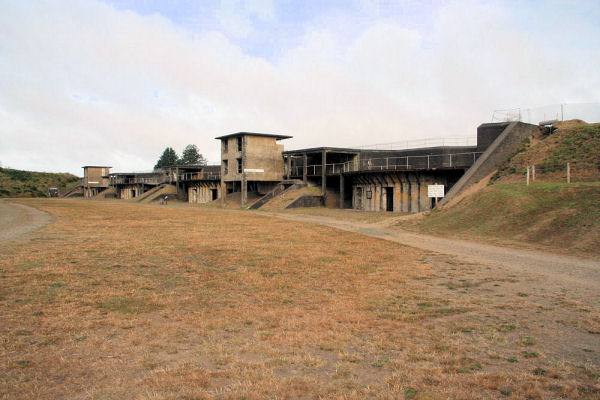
{"points": [[568, 172]]}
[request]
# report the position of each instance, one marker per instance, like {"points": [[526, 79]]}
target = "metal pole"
{"points": [[323, 172], [304, 167], [568, 172]]}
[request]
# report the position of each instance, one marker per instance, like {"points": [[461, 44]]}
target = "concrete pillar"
{"points": [[406, 195], [414, 194], [424, 201], [323, 176], [304, 168], [223, 191], [341, 190], [244, 190]]}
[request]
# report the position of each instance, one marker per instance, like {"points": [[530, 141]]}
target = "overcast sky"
{"points": [[115, 82]]}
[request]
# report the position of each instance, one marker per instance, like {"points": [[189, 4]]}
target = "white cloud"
{"points": [[262, 9], [89, 84]]}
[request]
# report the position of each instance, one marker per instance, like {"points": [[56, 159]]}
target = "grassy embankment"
{"points": [[17, 183], [548, 212], [128, 301]]}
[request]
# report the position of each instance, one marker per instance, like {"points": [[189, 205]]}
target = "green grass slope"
{"points": [[548, 212], [574, 141], [17, 183], [559, 215]]}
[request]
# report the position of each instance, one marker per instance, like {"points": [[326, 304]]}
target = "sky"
{"points": [[90, 82]]}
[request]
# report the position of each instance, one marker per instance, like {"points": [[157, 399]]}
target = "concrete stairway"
{"points": [[107, 193], [77, 191], [160, 191], [496, 154], [149, 193], [282, 187]]}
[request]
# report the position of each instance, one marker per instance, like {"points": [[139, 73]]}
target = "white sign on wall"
{"points": [[253, 170], [435, 190]]}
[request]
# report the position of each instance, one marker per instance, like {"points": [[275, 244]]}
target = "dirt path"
{"points": [[558, 269], [17, 220]]}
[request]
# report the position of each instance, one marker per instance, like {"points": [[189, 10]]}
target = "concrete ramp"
{"points": [[503, 147]]}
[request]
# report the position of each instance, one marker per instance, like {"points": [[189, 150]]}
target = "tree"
{"points": [[191, 156], [168, 157]]}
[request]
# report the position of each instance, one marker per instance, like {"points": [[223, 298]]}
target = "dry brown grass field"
{"points": [[116, 300]]}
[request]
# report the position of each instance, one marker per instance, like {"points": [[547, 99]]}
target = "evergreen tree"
{"points": [[191, 156], [168, 157]]}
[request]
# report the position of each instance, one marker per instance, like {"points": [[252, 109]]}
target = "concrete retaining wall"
{"points": [[307, 201]]}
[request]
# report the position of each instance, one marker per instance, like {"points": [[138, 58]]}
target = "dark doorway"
{"points": [[389, 197], [214, 193]]}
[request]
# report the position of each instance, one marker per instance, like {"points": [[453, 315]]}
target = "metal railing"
{"points": [[423, 143], [454, 160], [122, 181], [155, 180], [196, 176]]}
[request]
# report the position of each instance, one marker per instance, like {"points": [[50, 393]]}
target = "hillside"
{"points": [[549, 212], [573, 141], [17, 183]]}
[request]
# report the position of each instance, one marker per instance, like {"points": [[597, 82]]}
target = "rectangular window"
{"points": [[239, 143], [239, 165], [225, 146], [225, 167]]}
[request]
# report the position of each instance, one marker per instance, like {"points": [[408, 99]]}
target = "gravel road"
{"points": [[17, 220]]}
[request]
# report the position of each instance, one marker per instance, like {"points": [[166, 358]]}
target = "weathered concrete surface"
{"points": [[17, 220], [307, 201], [495, 155]]}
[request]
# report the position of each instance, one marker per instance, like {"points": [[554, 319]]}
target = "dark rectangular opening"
{"points": [[239, 143], [389, 198], [239, 165], [214, 193], [225, 167]]}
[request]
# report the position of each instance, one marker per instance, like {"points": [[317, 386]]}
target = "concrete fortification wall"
{"points": [[500, 149]]}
